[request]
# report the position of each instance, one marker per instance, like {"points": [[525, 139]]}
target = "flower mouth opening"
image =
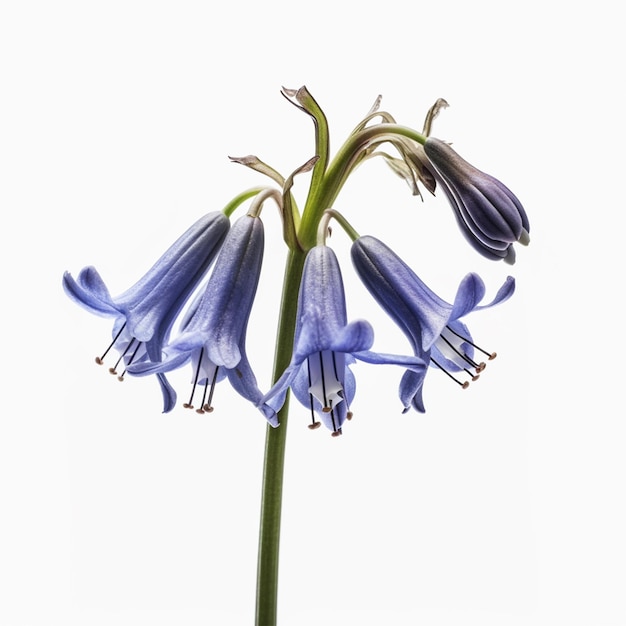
{"points": [[203, 381], [133, 351], [326, 388], [451, 347]]}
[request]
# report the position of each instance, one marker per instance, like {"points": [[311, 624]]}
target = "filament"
{"points": [[464, 384]]}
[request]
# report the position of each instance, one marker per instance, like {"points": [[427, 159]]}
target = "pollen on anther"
{"points": [[186, 405], [99, 361], [207, 408], [121, 378], [113, 371], [200, 411], [349, 415], [336, 433], [314, 425], [465, 384], [327, 409], [493, 355]]}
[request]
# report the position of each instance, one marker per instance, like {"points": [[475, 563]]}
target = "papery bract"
{"points": [[431, 324]]}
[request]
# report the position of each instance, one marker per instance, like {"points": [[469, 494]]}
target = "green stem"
{"points": [[273, 468], [239, 199], [346, 159]]}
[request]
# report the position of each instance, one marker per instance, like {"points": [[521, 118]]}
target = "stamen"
{"points": [[132, 357], [189, 405], [314, 424], [490, 355], [325, 407], [113, 370], [336, 433], [464, 356], [332, 417], [207, 407], [201, 410], [100, 359], [464, 384]]}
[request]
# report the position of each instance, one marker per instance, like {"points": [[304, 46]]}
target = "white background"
{"points": [[502, 505]]}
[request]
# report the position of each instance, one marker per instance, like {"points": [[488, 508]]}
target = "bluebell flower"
{"points": [[489, 214], [213, 332], [325, 346], [144, 314], [432, 325]]}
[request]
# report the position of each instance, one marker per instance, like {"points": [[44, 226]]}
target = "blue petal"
{"points": [[504, 293], [90, 291], [169, 395], [174, 360], [469, 293], [153, 302], [414, 363], [410, 391], [222, 314], [321, 299], [354, 337], [419, 312], [244, 383]]}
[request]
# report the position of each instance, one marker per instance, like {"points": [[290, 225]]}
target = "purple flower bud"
{"points": [[489, 214]]}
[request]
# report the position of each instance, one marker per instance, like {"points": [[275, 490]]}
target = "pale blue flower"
{"points": [[325, 346], [489, 214], [431, 324], [144, 314], [213, 333]]}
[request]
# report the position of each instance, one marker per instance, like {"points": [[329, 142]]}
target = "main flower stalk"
{"points": [[274, 460]]}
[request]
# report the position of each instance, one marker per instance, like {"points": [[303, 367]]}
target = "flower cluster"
{"points": [[193, 306]]}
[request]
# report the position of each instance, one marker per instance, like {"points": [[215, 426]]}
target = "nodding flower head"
{"points": [[213, 332], [431, 324], [144, 314], [489, 214], [325, 345]]}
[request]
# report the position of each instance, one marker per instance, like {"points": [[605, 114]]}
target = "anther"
{"points": [[462, 384], [349, 415], [490, 355], [336, 433], [314, 425]]}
